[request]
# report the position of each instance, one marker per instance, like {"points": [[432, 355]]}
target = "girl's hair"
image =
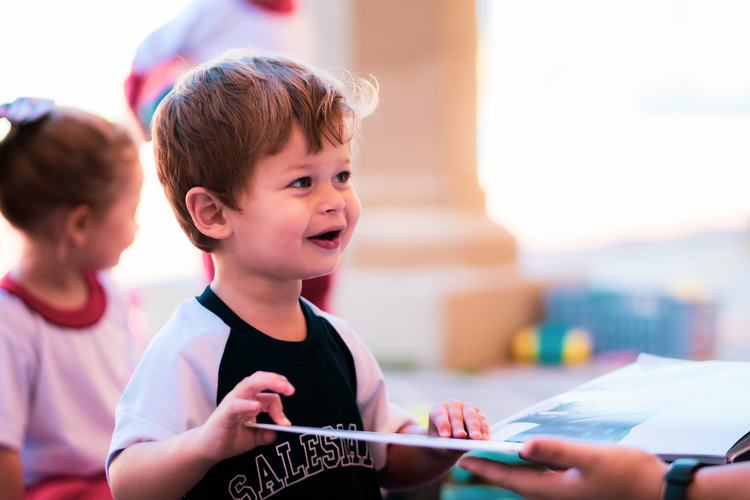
{"points": [[65, 159], [226, 114]]}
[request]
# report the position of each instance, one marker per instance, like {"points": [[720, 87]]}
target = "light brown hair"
{"points": [[65, 159], [223, 116]]}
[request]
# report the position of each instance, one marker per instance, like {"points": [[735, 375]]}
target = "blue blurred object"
{"points": [[476, 492], [651, 322], [463, 485]]}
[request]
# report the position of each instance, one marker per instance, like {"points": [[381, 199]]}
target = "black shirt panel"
{"points": [[321, 369]]}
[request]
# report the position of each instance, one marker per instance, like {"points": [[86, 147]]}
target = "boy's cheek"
{"points": [[353, 210], [347, 236]]}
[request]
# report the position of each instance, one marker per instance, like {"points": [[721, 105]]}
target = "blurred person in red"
{"points": [[204, 30]]}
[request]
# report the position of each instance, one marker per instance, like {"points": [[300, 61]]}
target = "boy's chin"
{"points": [[319, 275], [323, 269]]}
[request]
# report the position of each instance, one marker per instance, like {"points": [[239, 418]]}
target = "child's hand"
{"points": [[224, 434], [409, 466], [459, 420]]}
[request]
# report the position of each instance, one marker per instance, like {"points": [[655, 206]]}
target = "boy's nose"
{"points": [[332, 200]]}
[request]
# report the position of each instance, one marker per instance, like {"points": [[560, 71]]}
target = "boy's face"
{"points": [[298, 214]]}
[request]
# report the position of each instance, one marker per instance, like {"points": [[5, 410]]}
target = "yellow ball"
{"points": [[551, 343], [577, 347], [524, 346]]}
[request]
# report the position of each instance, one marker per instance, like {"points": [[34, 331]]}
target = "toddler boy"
{"points": [[254, 155]]}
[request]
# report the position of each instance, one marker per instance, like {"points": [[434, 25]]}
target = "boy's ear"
{"points": [[208, 213], [77, 224]]}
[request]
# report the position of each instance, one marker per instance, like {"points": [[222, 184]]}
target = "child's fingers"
{"points": [[246, 400], [455, 412], [271, 404], [249, 387], [448, 419], [242, 409], [484, 425], [472, 421], [263, 436], [440, 419], [460, 420]]}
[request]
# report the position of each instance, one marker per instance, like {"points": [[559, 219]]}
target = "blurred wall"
{"points": [[428, 279]]}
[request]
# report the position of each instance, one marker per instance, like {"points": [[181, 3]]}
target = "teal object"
{"points": [[147, 110], [506, 458], [551, 337], [476, 492], [679, 476], [461, 476]]}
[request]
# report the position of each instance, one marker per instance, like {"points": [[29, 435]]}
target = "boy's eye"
{"points": [[304, 182], [344, 177]]}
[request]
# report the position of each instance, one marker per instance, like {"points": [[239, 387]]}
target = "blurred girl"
{"points": [[70, 182]]}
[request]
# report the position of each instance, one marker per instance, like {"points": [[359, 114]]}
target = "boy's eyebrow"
{"points": [[347, 160]]}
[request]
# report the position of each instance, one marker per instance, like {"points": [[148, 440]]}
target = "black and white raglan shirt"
{"points": [[206, 349]]}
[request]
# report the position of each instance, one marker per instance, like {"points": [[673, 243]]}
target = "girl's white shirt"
{"points": [[59, 386]]}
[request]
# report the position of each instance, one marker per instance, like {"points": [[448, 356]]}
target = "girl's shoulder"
{"points": [[112, 291], [14, 312], [20, 328]]}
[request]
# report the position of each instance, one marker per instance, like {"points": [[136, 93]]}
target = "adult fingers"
{"points": [[557, 454]]}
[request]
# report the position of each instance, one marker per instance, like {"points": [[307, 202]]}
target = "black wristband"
{"points": [[678, 478]]}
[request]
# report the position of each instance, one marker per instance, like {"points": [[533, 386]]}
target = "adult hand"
{"points": [[578, 472]]}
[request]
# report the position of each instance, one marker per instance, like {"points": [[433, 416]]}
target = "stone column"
{"points": [[428, 280]]}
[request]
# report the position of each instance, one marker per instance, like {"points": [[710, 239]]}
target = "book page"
{"points": [[665, 406], [501, 447]]}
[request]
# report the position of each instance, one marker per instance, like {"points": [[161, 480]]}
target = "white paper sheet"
{"points": [[404, 439], [673, 408]]}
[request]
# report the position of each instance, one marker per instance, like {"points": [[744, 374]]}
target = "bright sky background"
{"points": [[600, 120], [603, 120]]}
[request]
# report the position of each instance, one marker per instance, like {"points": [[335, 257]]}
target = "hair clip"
{"points": [[26, 110]]}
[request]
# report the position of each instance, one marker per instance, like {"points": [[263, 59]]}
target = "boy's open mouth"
{"points": [[330, 235]]}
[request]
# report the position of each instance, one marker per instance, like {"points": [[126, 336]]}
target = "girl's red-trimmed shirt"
{"points": [[61, 376]]}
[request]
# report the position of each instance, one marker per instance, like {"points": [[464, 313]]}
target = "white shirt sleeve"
{"points": [[174, 387]]}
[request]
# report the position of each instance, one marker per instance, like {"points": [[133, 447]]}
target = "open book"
{"points": [[673, 408]]}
